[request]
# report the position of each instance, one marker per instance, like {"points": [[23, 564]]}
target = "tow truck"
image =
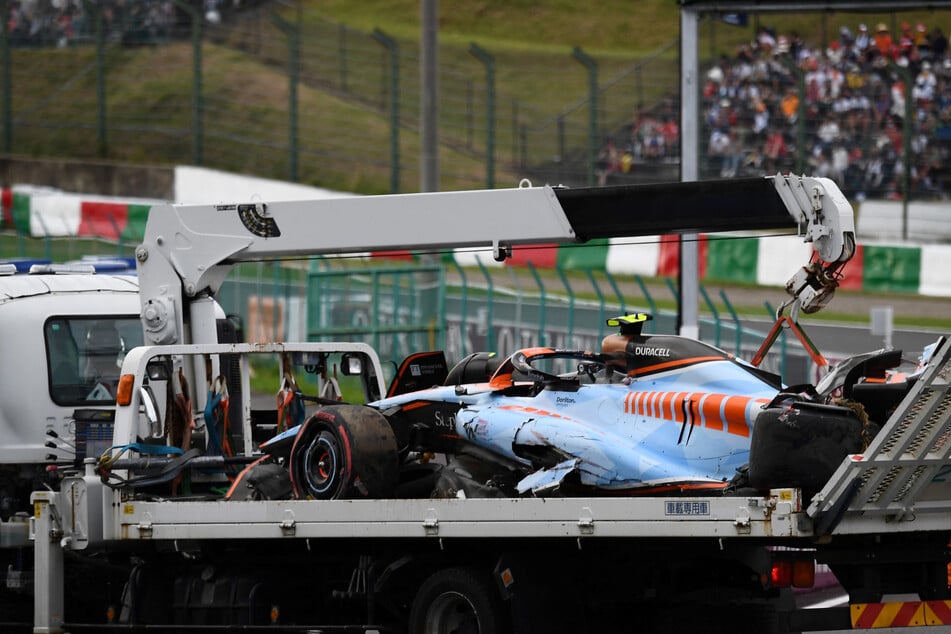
{"points": [[157, 517], [64, 328]]}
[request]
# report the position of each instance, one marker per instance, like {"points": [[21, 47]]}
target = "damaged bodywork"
{"points": [[647, 414]]}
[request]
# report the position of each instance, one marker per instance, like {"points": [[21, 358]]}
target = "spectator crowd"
{"points": [[850, 109], [65, 22], [839, 110]]}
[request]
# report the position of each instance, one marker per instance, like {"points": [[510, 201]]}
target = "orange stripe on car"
{"points": [[710, 410], [416, 405], [642, 403], [667, 405], [734, 411], [717, 412]]}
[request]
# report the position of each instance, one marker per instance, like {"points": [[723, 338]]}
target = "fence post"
{"points": [[47, 239], [489, 62], [672, 287], [906, 145], [440, 325], [736, 321], [342, 56], [589, 63], [801, 120], [277, 285], [429, 95], [118, 230], [7, 83], [639, 87], [102, 148], [393, 51], [523, 144], [293, 78], [571, 305], [515, 131], [716, 316], [541, 304], [597, 290], [561, 147], [396, 306], [617, 291], [650, 301], [463, 307], [195, 14], [470, 115], [490, 287], [800, 113]]}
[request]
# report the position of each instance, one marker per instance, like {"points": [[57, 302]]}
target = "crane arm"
{"points": [[188, 250]]}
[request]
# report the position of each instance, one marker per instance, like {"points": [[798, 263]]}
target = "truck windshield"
{"points": [[84, 355]]}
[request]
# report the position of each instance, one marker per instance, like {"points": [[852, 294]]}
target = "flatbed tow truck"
{"points": [[144, 539]]}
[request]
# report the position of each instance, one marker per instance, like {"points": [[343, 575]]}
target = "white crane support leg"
{"points": [[48, 566]]}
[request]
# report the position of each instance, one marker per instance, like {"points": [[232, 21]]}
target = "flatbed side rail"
{"points": [[905, 474], [774, 516]]}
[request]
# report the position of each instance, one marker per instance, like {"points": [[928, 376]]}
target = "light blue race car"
{"points": [[647, 414]]}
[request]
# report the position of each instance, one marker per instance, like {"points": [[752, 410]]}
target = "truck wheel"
{"points": [[343, 452], [457, 600]]}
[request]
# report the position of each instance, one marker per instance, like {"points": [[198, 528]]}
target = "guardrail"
{"points": [[397, 309]]}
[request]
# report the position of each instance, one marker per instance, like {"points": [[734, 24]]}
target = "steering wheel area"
{"points": [[586, 363]]}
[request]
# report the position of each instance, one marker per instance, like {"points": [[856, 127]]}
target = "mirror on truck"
{"points": [[351, 364], [153, 396], [158, 370], [149, 403], [356, 364]]}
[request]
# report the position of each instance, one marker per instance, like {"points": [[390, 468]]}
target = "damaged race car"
{"points": [[647, 414]]}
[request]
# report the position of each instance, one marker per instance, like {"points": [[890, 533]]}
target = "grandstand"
{"points": [[857, 109]]}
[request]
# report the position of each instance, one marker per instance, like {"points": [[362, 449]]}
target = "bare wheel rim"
{"points": [[321, 464]]}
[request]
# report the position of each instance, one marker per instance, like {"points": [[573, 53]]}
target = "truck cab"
{"points": [[67, 332]]}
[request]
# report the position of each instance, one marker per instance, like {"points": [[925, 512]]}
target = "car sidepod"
{"points": [[681, 429]]}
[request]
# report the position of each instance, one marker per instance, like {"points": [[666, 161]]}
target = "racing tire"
{"points": [[457, 600], [344, 452], [802, 446]]}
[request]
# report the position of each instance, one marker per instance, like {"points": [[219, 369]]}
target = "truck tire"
{"points": [[344, 452], [457, 600], [803, 446]]}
